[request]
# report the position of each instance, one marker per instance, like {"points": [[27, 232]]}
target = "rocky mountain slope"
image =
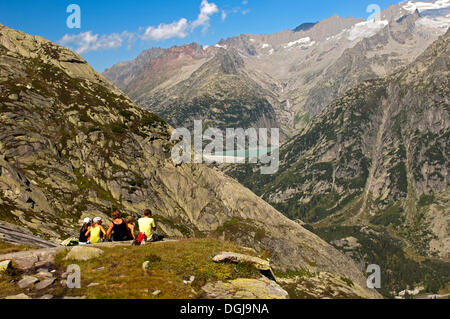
{"points": [[220, 93], [189, 83], [297, 72], [377, 157], [72, 145]]}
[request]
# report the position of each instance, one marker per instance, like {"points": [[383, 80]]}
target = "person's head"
{"points": [[98, 221], [147, 213], [86, 223], [115, 215], [129, 220]]}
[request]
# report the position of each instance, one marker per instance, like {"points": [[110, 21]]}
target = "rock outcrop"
{"points": [[32, 260], [260, 264], [245, 289], [14, 234]]}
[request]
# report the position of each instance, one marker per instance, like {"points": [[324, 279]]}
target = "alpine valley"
{"points": [[364, 114]]}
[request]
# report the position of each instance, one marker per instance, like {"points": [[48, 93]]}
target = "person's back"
{"points": [[129, 221], [147, 225], [83, 239], [96, 231], [120, 231], [95, 234]]}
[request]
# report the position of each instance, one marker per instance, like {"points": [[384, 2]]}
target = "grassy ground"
{"points": [[7, 248], [123, 277]]}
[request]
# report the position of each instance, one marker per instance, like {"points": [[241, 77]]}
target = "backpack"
{"points": [[70, 242], [140, 239]]}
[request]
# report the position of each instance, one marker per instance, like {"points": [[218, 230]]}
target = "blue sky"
{"points": [[116, 30]]}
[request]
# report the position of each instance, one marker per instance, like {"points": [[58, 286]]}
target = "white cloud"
{"points": [[235, 10], [87, 41], [206, 11], [224, 15], [177, 29]]}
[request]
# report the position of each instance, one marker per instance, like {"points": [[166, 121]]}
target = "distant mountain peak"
{"points": [[305, 26]]}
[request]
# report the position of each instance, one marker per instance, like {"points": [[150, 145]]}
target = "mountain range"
{"points": [[282, 79]]}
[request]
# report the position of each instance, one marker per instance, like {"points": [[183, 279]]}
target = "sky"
{"points": [[111, 31]]}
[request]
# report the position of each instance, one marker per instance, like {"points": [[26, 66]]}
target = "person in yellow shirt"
{"points": [[96, 231], [147, 224]]}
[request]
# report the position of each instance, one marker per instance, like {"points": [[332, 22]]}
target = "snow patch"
{"points": [[265, 45], [221, 46], [303, 43], [435, 22], [366, 29], [423, 6]]}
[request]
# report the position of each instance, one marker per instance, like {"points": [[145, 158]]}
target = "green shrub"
{"points": [[118, 128], [390, 216], [426, 200]]}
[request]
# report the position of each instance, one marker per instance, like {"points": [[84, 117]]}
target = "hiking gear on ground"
{"points": [[140, 240], [70, 242]]}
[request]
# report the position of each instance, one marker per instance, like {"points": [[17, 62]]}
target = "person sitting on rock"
{"points": [[147, 224], [96, 231], [83, 239], [130, 224], [118, 229]]}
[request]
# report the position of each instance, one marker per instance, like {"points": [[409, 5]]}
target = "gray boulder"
{"points": [[44, 283], [27, 281], [80, 253]]}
